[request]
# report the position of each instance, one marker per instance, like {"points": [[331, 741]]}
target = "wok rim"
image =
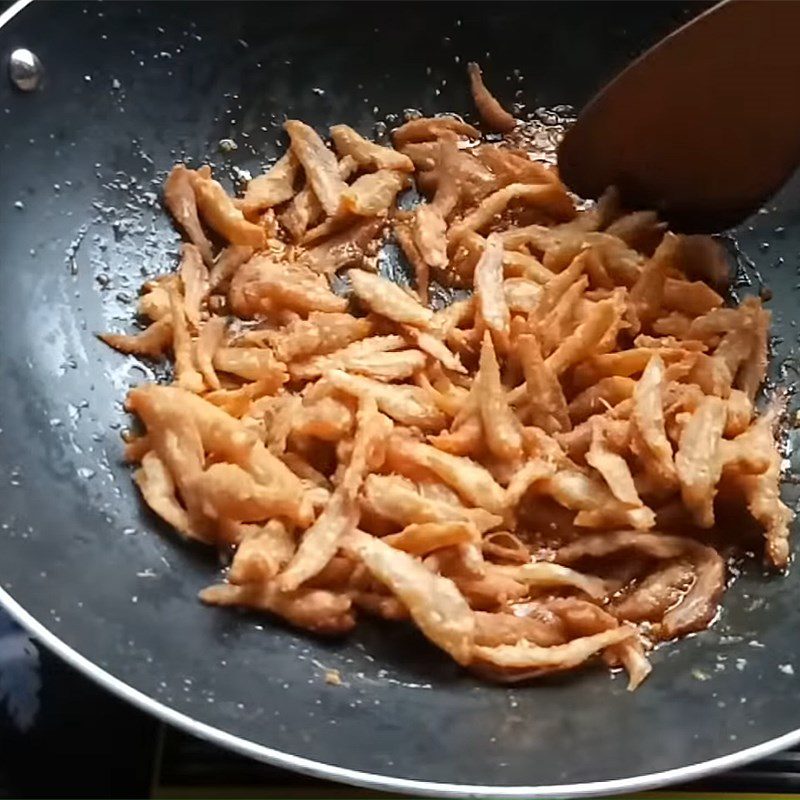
{"points": [[369, 780]]}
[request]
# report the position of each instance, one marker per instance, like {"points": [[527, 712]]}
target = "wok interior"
{"points": [[78, 552]]}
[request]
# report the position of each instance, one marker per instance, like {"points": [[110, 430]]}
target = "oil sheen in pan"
{"points": [[488, 746]]}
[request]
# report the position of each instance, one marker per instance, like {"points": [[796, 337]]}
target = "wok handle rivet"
{"points": [[25, 69]]}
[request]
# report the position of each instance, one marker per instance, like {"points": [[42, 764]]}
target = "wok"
{"points": [[129, 88]]}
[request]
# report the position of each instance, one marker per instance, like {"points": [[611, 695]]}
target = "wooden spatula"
{"points": [[705, 126]]}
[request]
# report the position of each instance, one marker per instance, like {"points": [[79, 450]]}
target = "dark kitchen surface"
{"points": [[62, 736]]}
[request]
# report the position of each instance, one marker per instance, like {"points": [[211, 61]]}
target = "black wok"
{"points": [[129, 89]]}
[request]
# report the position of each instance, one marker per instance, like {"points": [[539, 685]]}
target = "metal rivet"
{"points": [[25, 70]]}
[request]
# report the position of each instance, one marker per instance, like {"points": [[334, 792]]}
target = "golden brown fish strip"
{"points": [[392, 366], [340, 515], [301, 213], [405, 238], [343, 249], [505, 547], [597, 399], [533, 470], [419, 539], [601, 545], [762, 493], [576, 442], [466, 439], [423, 155], [646, 296], [179, 197], [219, 213], [208, 342], [500, 427], [734, 349], [319, 164], [522, 295], [177, 442], [655, 593], [274, 187], [388, 299], [152, 342], [698, 606], [373, 193], [301, 290], [543, 575], [252, 364], [536, 661], [613, 468], [292, 285], [649, 438], [434, 347], [586, 619], [277, 415], [240, 402], [316, 610], [263, 552], [690, 297], [620, 262], [640, 230], [222, 436], [448, 182], [623, 362], [310, 368], [457, 314], [321, 540], [754, 370], [511, 165], [430, 235], [699, 459], [434, 603], [158, 490], [186, 375], [228, 491], [547, 405], [577, 345], [739, 409], [490, 293], [550, 198], [427, 128], [323, 332], [154, 302], [226, 265], [194, 277], [522, 265], [302, 469], [409, 405], [538, 238], [555, 288], [563, 319], [713, 323], [448, 397], [492, 114], [474, 483], [396, 499], [595, 504], [539, 626], [369, 155]]}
